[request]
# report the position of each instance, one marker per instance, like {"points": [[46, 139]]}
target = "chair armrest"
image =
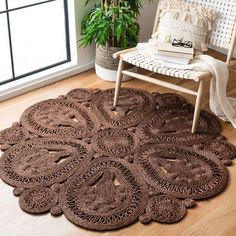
{"points": [[201, 75], [117, 54]]}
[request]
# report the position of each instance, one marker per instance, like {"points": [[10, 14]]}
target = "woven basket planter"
{"points": [[106, 66]]}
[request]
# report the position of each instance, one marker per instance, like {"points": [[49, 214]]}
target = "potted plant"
{"points": [[113, 26]]}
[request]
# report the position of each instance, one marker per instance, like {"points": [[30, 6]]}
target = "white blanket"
{"points": [[221, 105]]}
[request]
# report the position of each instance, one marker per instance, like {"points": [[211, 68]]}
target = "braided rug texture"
{"points": [[105, 168]]}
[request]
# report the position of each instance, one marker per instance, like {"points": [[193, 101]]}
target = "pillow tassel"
{"points": [[204, 47], [195, 22], [155, 35], [175, 15], [209, 27], [199, 45], [163, 13], [168, 38], [201, 22], [187, 18]]}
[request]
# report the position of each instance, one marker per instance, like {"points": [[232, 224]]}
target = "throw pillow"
{"points": [[181, 20]]}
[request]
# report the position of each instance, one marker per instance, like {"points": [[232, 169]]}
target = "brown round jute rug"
{"points": [[105, 168]]}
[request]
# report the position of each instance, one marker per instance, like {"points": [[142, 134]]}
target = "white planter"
{"points": [[106, 66], [110, 75]]}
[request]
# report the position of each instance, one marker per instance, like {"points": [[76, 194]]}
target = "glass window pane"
{"points": [[2, 5], [38, 36], [17, 3], [5, 56]]}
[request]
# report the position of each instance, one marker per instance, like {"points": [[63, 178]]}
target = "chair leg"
{"points": [[197, 107], [118, 82]]}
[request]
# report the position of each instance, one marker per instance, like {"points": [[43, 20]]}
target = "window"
{"points": [[34, 37]]}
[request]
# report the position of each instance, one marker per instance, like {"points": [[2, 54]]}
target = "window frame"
{"points": [[71, 58]]}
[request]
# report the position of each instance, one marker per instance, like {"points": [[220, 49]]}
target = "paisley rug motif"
{"points": [[107, 167]]}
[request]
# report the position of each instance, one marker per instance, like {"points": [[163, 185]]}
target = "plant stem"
{"points": [[113, 29], [106, 6]]}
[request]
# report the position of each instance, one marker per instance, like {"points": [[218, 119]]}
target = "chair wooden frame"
{"points": [[197, 77]]}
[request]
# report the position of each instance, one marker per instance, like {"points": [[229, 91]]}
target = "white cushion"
{"points": [[181, 20]]}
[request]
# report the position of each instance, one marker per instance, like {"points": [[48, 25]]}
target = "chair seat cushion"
{"points": [[139, 60]]}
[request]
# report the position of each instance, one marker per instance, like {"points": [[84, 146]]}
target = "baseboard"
{"points": [[26, 86]]}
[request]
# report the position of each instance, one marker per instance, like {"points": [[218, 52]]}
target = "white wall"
{"points": [[85, 55], [146, 19]]}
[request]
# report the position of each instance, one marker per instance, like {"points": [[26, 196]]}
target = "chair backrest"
{"points": [[224, 26]]}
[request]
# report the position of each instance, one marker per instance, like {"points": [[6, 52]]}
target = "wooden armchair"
{"points": [[223, 35]]}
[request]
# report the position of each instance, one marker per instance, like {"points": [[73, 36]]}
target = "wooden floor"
{"points": [[216, 216]]}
